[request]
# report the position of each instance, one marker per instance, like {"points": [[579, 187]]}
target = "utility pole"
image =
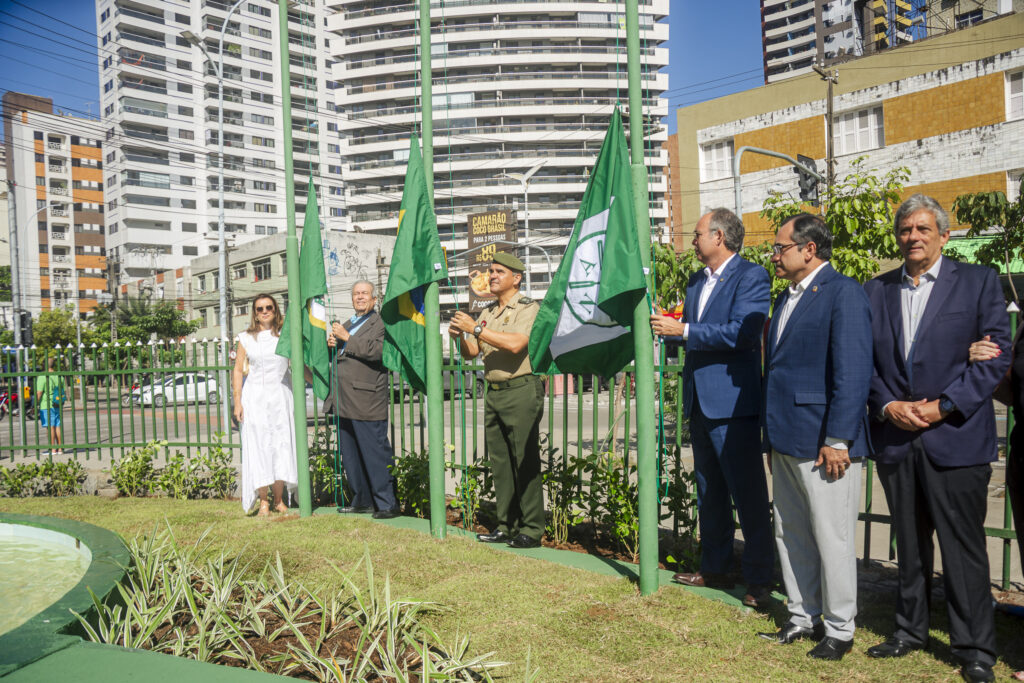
{"points": [[830, 76], [112, 279], [12, 226]]}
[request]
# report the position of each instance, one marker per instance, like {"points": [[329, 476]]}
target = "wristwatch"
{"points": [[477, 331], [946, 406]]}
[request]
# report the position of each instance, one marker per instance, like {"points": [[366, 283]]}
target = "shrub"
{"points": [[412, 479], [179, 478], [220, 477], [134, 475]]}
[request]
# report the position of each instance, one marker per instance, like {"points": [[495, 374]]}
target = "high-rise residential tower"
{"points": [[518, 86], [159, 100], [54, 160]]}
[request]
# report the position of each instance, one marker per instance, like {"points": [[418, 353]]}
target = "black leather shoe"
{"points": [[355, 510], [758, 597], [493, 537], [386, 514], [791, 633], [893, 647], [977, 672], [831, 649], [524, 541]]}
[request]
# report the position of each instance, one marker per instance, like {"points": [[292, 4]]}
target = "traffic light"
{"points": [[25, 323], [808, 183]]}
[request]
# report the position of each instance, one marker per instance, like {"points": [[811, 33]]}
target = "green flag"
{"points": [[584, 323], [313, 287], [416, 262]]}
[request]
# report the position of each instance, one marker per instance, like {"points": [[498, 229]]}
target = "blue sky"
{"points": [[714, 50]]}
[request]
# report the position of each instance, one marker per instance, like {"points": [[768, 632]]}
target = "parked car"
{"points": [[138, 385], [182, 388]]}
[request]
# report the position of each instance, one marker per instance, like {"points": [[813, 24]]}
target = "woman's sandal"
{"points": [[264, 509], [281, 507]]}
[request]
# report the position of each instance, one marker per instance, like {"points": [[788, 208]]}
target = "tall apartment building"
{"points": [[517, 85], [949, 108], [796, 34], [56, 164], [159, 99]]}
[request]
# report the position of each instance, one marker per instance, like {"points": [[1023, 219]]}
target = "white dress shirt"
{"points": [[795, 292], [711, 279], [913, 301]]}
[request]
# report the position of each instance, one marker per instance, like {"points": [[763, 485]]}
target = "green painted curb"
{"points": [[54, 628], [568, 558]]}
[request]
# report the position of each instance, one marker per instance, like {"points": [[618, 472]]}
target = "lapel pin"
{"points": [[814, 288]]}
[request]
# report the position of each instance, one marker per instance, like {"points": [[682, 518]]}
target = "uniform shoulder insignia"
{"points": [[525, 300]]}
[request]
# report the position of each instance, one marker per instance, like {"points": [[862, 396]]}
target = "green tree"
{"points": [[5, 283], [984, 210], [54, 327], [138, 319], [859, 213], [671, 273]]}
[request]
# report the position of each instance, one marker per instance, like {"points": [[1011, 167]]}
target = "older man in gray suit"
{"points": [[359, 397]]}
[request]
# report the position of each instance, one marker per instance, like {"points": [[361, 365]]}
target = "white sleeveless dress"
{"points": [[268, 419]]}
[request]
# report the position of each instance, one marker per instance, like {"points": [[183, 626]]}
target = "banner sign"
{"points": [[484, 230]]}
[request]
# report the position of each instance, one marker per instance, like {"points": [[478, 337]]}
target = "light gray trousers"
{"points": [[815, 531]]}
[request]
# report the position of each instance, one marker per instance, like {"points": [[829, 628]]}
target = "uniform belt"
{"points": [[510, 383]]}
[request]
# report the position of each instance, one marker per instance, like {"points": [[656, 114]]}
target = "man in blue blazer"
{"points": [[817, 374], [724, 312], [933, 430]]}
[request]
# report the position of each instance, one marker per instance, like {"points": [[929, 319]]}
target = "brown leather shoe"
{"points": [[698, 580], [758, 597]]}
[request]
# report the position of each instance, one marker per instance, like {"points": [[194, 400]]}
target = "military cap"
{"points": [[509, 261]]}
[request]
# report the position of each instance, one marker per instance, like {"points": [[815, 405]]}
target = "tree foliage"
{"points": [[859, 213], [55, 327], [5, 283], [984, 210], [138, 319]]}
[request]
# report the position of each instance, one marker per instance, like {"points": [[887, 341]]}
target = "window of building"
{"points": [[241, 309], [260, 75], [859, 131], [202, 317], [184, 87], [271, 230], [261, 54], [262, 141], [260, 118], [184, 64], [259, 32], [258, 9], [259, 207], [184, 111], [182, 18], [284, 264], [1015, 96], [266, 185], [187, 157], [337, 212], [186, 134], [968, 18], [188, 227], [239, 272], [715, 160], [261, 269], [188, 203]]}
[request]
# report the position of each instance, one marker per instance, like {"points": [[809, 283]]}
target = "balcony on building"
{"points": [[128, 11], [140, 35]]}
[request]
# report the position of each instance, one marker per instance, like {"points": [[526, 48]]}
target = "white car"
{"points": [[186, 388]]}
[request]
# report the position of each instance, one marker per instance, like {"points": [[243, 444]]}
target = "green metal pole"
{"points": [[294, 330], [1007, 509], [647, 474], [432, 299]]}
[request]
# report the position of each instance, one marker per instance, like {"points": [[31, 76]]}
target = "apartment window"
{"points": [[263, 163], [333, 148], [260, 75], [257, 9], [334, 169], [334, 190], [265, 185], [187, 157], [113, 227], [264, 97], [188, 227], [261, 54], [239, 272], [859, 131], [181, 42], [186, 134], [260, 118], [337, 212], [262, 141], [716, 160], [108, 86], [261, 269], [1015, 104], [271, 230], [184, 87], [108, 110], [185, 111], [969, 18], [187, 181], [241, 309], [188, 203], [40, 180], [264, 208], [182, 18], [261, 230], [284, 264], [259, 32], [183, 64]]}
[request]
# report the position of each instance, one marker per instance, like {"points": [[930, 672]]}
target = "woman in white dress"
{"points": [[263, 408]]}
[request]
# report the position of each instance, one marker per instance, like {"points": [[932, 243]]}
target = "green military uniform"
{"points": [[512, 413]]}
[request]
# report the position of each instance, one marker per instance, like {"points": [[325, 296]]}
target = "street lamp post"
{"points": [[524, 180], [222, 254]]}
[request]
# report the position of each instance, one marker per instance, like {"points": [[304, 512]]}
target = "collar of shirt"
{"points": [[798, 288], [717, 273], [932, 274]]}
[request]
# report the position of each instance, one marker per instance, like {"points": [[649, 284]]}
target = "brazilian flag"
{"points": [[313, 285], [416, 262]]}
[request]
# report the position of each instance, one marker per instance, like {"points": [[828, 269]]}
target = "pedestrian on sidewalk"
{"points": [[50, 397]]}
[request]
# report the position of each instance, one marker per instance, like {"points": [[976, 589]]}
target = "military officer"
{"points": [[514, 403]]}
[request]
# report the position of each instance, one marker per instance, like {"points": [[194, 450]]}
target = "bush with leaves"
{"points": [[412, 481], [180, 477], [42, 479], [679, 500], [326, 479], [614, 500], [468, 493], [135, 475], [562, 484], [986, 210], [219, 477]]}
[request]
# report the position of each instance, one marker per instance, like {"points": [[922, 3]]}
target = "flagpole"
{"points": [[647, 473], [295, 302], [431, 298]]}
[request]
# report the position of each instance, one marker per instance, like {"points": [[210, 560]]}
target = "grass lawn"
{"points": [[576, 626]]}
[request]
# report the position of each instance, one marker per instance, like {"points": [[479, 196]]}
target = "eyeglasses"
{"points": [[261, 309], [779, 249]]}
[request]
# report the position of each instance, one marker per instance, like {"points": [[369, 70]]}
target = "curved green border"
{"points": [[53, 628]]}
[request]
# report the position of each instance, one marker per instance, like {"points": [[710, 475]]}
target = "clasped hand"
{"points": [[460, 322]]}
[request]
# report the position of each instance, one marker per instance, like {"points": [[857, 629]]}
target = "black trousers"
{"points": [[367, 458], [951, 503], [1015, 485]]}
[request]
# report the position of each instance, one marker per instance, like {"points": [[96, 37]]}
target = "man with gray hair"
{"points": [[933, 431], [359, 397], [723, 319]]}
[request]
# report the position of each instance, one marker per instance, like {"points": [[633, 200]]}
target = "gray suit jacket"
{"points": [[359, 388]]}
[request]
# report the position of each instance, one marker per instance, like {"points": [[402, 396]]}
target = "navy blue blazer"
{"points": [[723, 348], [966, 303], [818, 375]]}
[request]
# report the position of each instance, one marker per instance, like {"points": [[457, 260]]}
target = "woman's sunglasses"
{"points": [[268, 309]]}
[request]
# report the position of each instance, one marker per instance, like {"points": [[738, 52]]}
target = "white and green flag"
{"points": [[584, 323]]}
